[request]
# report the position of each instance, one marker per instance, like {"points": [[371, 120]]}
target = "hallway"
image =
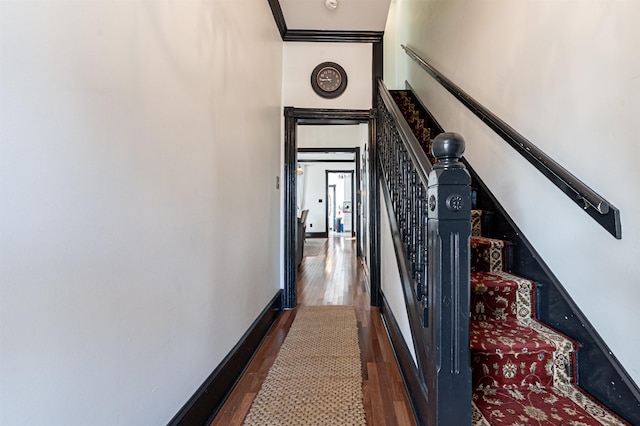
{"points": [[332, 277]]}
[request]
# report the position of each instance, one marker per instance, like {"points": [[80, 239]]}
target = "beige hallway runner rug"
{"points": [[316, 378]]}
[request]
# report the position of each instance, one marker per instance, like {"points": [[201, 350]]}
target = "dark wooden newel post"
{"points": [[446, 301]]}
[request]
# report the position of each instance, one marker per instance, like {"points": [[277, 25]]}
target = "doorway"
{"points": [[341, 217], [331, 208], [315, 196], [295, 117]]}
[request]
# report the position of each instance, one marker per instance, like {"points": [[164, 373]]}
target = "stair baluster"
{"points": [[434, 247]]}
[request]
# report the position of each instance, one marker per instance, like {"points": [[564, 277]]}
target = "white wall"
{"points": [[390, 278], [139, 215], [565, 75], [389, 48], [343, 136], [364, 199], [301, 58]]}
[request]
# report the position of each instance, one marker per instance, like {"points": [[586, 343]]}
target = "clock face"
{"points": [[329, 80]]}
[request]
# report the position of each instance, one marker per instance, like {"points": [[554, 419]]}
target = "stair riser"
{"points": [[513, 370], [524, 353], [501, 297], [487, 255]]}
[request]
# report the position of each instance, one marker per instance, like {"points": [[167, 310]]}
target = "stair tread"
{"points": [[516, 336], [500, 278], [539, 405], [480, 240]]}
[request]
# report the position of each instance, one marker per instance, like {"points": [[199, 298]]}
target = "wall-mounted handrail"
{"points": [[595, 205]]}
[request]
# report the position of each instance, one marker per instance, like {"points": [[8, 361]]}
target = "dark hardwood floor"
{"points": [[333, 277]]}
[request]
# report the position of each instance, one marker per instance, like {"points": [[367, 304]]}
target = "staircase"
{"points": [[523, 370]]}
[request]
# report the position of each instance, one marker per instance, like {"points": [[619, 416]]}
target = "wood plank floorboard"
{"points": [[334, 277]]}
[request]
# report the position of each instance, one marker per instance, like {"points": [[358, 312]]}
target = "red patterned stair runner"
{"points": [[416, 121], [523, 370]]}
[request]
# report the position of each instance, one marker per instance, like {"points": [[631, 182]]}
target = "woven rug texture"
{"points": [[316, 378]]}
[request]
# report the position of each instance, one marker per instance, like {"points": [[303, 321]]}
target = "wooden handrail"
{"points": [[595, 205], [430, 216], [423, 165]]}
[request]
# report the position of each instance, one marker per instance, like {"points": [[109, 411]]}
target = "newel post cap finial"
{"points": [[448, 147]]}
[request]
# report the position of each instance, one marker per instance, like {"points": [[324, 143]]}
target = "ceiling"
{"points": [[350, 15]]}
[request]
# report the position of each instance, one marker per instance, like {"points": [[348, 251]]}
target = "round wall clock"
{"points": [[329, 80]]}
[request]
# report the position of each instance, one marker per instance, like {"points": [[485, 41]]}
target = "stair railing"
{"points": [[429, 212], [603, 212]]}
